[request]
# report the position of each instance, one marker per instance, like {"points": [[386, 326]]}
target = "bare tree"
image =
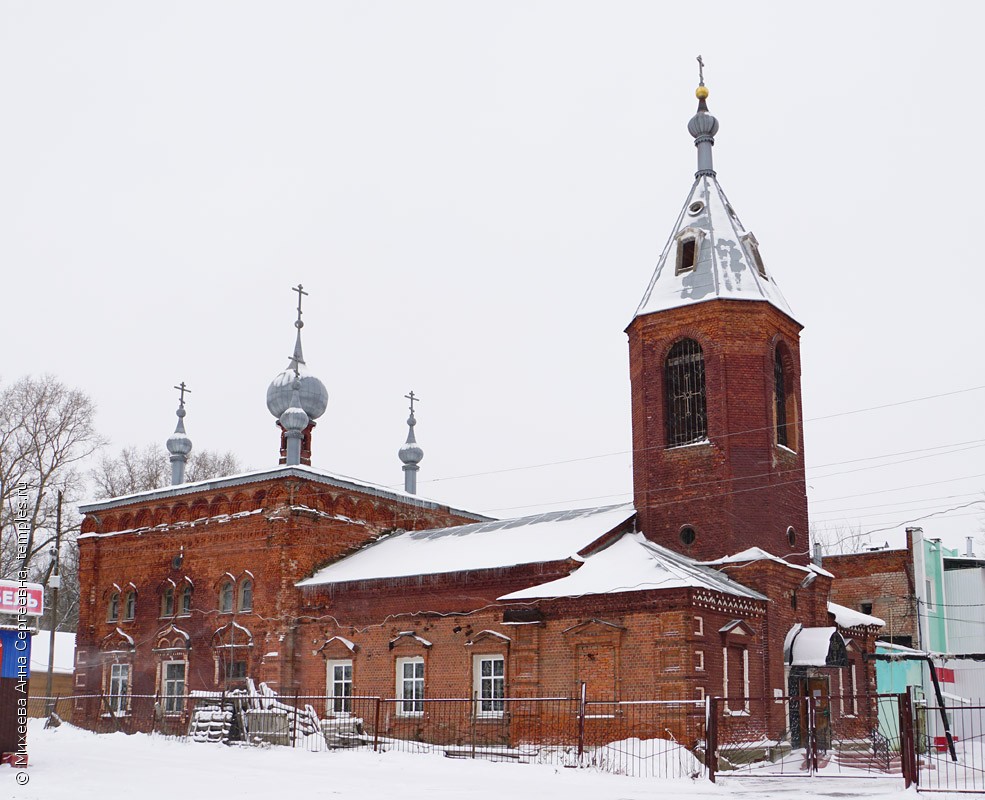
{"points": [[144, 468], [46, 429], [840, 539]]}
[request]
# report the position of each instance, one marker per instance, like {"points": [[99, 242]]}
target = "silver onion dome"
{"points": [[410, 452], [294, 417], [178, 443], [313, 394]]}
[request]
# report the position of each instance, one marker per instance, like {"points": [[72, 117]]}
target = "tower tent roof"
{"points": [[726, 260]]}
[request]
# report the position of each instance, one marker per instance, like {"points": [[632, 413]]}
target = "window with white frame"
{"points": [[735, 679], [173, 686], [118, 695], [699, 660], [930, 594], [489, 685], [410, 686], [340, 686], [699, 626], [849, 703], [113, 609]]}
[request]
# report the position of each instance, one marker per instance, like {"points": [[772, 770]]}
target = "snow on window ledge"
{"points": [[785, 449]]}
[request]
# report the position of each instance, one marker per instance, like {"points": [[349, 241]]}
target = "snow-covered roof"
{"points": [[725, 266], [64, 652], [758, 554], [282, 471], [634, 564], [554, 536], [850, 618]]}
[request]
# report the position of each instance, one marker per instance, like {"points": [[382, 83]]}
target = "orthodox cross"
{"points": [[701, 72], [182, 388], [413, 398], [300, 290]]}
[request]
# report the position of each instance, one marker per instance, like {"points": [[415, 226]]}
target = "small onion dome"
{"points": [[294, 419], [313, 394], [411, 452], [178, 443], [702, 123]]}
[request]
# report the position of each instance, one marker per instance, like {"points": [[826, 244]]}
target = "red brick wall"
{"points": [[298, 526], [883, 578], [740, 489]]}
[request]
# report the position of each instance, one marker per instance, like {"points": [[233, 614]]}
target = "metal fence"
{"points": [[838, 737], [849, 736], [638, 738], [957, 765]]}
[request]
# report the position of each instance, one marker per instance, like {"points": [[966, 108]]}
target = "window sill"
{"points": [[730, 713], [489, 716], [410, 714], [705, 442], [783, 448]]}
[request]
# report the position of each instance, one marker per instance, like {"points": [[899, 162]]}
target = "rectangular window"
{"points": [[173, 686], [699, 660], [930, 595], [489, 684], [119, 688], [340, 687], [410, 686], [699, 626]]}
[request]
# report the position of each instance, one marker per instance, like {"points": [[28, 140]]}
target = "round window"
{"points": [[687, 535], [696, 208]]}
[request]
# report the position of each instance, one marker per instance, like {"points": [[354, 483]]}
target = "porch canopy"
{"points": [[815, 647]]}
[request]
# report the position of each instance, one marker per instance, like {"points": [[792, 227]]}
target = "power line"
{"points": [[724, 436]]}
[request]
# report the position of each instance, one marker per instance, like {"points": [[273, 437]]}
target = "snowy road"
{"points": [[70, 764]]}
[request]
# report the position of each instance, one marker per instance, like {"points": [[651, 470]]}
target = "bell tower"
{"points": [[714, 351]]}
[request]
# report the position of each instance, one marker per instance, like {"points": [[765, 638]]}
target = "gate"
{"points": [[844, 736], [957, 765]]}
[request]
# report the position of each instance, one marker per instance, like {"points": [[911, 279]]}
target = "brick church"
{"points": [[320, 584]]}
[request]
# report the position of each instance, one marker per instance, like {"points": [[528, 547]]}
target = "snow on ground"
{"points": [[71, 764]]}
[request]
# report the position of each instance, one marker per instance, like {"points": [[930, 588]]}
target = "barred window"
{"points": [[685, 372], [780, 390]]}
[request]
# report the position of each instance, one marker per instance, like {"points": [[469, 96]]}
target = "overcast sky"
{"points": [[475, 195]]}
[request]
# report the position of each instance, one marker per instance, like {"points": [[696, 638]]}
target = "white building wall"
{"points": [[965, 593]]}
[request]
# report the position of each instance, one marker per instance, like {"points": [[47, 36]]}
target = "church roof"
{"points": [[553, 536], [727, 263], [635, 564], [274, 473]]}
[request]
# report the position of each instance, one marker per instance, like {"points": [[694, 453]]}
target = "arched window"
{"points": [[167, 602], [246, 595], [780, 390], [785, 406], [186, 600], [130, 605], [113, 612], [685, 384], [226, 597]]}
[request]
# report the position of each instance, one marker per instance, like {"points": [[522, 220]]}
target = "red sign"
{"points": [[17, 598], [945, 674]]}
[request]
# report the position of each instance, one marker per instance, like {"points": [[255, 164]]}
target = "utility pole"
{"points": [[54, 581]]}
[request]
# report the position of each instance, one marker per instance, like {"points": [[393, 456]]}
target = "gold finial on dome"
{"points": [[701, 92]]}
